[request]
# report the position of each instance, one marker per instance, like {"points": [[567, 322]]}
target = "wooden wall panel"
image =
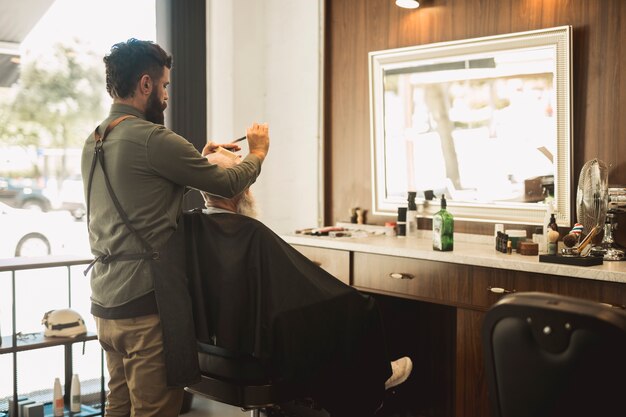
{"points": [[471, 382], [355, 27]]}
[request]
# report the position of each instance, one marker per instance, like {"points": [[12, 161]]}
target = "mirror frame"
{"points": [[558, 38]]}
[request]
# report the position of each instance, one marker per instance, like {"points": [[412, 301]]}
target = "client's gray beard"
{"points": [[247, 205]]}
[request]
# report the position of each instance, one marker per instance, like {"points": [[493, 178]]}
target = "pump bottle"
{"points": [[443, 228]]}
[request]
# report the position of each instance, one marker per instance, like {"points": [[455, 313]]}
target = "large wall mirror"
{"points": [[485, 121]]}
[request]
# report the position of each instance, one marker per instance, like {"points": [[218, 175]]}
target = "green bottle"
{"points": [[443, 228]]}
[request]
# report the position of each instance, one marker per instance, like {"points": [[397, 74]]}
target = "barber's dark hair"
{"points": [[129, 61]]}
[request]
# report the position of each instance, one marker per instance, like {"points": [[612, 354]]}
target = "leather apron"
{"points": [[167, 265]]}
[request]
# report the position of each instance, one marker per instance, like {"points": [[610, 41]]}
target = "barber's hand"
{"points": [[258, 139], [211, 147]]}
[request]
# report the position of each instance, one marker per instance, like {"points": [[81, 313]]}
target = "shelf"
{"points": [[85, 411], [10, 344], [38, 341]]}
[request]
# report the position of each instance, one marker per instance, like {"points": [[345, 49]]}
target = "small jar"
{"points": [[390, 228], [539, 239], [516, 236]]}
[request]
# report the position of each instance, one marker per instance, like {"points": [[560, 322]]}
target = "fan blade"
{"points": [[592, 195]]}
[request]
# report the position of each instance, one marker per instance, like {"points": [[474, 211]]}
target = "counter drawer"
{"points": [[425, 280], [334, 261], [459, 285]]}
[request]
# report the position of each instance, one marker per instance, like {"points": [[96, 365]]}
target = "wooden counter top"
{"points": [[468, 250]]}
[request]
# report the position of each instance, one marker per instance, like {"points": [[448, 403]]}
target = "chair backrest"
{"points": [[550, 356]]}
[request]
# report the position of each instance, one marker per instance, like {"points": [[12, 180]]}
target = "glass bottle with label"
{"points": [[443, 228]]}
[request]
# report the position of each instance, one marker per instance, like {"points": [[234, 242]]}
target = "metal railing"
{"points": [[12, 344]]}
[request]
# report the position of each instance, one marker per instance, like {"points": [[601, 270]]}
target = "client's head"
{"points": [[242, 203]]}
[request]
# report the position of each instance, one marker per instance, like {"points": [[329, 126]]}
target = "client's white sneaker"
{"points": [[401, 369]]}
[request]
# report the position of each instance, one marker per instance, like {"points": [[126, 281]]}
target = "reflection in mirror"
{"points": [[484, 121]]}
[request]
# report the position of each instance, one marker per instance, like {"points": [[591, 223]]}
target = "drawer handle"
{"points": [[317, 263], [498, 290], [620, 306], [401, 275]]}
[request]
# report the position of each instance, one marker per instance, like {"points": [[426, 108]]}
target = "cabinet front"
{"points": [[457, 285], [335, 262]]}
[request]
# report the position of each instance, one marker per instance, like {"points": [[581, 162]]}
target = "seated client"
{"points": [[253, 294]]}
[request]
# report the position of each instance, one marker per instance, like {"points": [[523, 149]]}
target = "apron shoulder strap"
{"points": [[98, 157], [110, 127], [99, 139]]}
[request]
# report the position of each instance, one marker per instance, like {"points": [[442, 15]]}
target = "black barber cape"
{"points": [[252, 293]]}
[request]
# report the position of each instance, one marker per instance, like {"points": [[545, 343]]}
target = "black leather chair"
{"points": [[551, 356], [241, 381]]}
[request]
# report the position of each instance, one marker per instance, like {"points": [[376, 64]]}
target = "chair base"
{"points": [[246, 396]]}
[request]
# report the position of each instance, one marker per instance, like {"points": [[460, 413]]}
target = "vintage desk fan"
{"points": [[594, 212], [592, 200]]}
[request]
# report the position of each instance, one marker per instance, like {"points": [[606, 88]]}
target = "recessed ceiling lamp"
{"points": [[408, 4]]}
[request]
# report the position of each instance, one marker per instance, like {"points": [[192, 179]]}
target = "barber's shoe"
{"points": [[401, 369]]}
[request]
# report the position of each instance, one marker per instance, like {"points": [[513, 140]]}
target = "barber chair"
{"points": [[550, 356], [241, 381]]}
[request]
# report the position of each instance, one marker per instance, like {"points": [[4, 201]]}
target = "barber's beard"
{"points": [[155, 109], [247, 205]]}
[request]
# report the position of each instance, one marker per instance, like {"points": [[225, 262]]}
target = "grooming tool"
{"points": [[239, 140], [587, 240], [579, 250]]}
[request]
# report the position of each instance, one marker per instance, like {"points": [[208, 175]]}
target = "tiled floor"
{"points": [[203, 407]]}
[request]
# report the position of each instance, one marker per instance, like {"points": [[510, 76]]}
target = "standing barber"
{"points": [[135, 173]]}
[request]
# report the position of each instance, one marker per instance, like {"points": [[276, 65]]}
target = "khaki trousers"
{"points": [[135, 360]]}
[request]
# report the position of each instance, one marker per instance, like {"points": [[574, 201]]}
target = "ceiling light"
{"points": [[408, 4]]}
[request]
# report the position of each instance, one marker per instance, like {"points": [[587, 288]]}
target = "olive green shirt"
{"points": [[148, 166]]}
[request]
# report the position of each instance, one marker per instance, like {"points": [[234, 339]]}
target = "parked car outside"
{"points": [[32, 233], [72, 196], [26, 193], [67, 195], [23, 193]]}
